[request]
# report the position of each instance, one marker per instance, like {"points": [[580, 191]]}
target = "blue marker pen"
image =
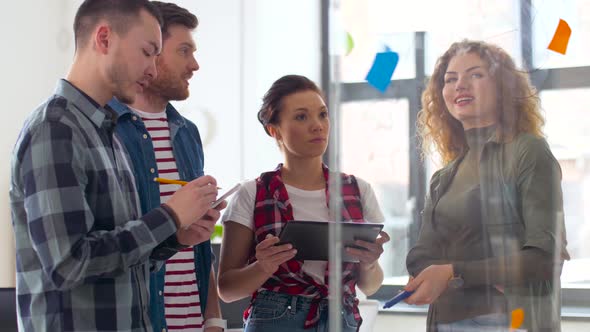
{"points": [[396, 299]]}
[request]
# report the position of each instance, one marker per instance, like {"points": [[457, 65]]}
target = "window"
{"points": [[372, 34], [545, 15], [375, 144], [524, 29], [492, 21], [568, 132]]}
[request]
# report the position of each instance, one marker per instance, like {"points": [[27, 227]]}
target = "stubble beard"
{"points": [[166, 86], [119, 78]]}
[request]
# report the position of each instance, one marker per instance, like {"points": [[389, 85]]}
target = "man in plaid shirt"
{"points": [[83, 251]]}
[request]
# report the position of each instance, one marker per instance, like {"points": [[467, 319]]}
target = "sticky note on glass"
{"points": [[561, 37], [382, 70], [349, 43], [516, 319]]}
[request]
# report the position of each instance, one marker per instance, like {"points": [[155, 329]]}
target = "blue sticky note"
{"points": [[379, 75]]}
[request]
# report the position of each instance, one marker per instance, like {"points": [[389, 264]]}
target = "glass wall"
{"points": [[371, 120], [379, 135]]}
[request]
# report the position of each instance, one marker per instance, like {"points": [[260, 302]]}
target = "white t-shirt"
{"points": [[307, 205]]}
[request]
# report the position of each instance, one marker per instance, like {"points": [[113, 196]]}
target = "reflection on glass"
{"points": [[568, 133], [368, 128], [566, 129], [375, 23], [495, 22], [371, 34]]}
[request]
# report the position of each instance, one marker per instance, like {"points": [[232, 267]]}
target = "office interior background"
{"points": [[244, 45]]}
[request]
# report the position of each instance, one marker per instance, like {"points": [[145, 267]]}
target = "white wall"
{"points": [[36, 43], [215, 104], [283, 39], [244, 45]]}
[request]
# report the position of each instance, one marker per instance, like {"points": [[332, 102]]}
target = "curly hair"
{"points": [[517, 102]]}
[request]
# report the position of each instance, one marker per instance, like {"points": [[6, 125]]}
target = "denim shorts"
{"points": [[497, 322], [272, 312]]}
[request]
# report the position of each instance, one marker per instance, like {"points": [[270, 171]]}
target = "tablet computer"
{"points": [[311, 238]]}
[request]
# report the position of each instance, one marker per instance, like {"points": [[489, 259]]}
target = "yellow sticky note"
{"points": [[561, 37], [517, 318]]}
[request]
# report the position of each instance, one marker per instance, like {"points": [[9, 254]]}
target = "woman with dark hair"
{"points": [[288, 294], [492, 238]]}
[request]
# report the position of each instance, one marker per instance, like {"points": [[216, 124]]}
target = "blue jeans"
{"points": [[272, 312], [486, 323]]}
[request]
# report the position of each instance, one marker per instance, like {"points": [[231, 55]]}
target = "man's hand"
{"points": [[201, 230], [193, 201]]}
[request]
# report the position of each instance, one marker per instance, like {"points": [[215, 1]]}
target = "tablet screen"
{"points": [[311, 238]]}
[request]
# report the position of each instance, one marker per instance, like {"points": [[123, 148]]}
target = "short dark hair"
{"points": [[281, 88], [119, 13], [173, 14]]}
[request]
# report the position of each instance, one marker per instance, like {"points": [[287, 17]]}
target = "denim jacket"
{"points": [[188, 152]]}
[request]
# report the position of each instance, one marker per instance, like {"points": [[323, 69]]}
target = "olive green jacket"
{"points": [[522, 206]]}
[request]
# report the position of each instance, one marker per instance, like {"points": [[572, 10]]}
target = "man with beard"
{"points": [[162, 143], [83, 248]]}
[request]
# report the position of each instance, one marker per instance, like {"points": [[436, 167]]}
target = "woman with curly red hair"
{"points": [[492, 238]]}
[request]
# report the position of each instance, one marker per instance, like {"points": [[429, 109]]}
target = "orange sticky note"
{"points": [[561, 37], [517, 318]]}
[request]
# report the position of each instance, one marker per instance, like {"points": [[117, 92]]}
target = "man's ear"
{"points": [[102, 38]]}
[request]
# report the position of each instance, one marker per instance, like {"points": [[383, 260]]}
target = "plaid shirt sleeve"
{"points": [[54, 170]]}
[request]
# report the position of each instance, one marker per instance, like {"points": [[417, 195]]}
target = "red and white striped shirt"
{"points": [[181, 292]]}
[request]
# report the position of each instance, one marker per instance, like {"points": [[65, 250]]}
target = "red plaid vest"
{"points": [[272, 211]]}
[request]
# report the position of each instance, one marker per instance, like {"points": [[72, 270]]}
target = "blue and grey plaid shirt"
{"points": [[82, 251]]}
